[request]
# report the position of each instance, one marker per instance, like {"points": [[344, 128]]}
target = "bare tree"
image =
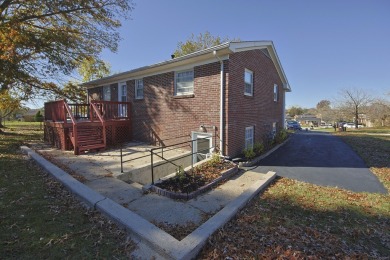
{"points": [[379, 111], [354, 101]]}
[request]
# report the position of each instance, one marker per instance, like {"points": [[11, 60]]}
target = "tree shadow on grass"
{"points": [[293, 219]]}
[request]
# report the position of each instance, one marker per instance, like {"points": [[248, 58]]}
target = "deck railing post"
{"points": [[90, 112], [151, 164], [121, 161], [192, 155], [128, 110]]}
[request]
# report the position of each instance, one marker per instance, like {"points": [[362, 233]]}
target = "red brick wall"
{"points": [[258, 110], [162, 116]]}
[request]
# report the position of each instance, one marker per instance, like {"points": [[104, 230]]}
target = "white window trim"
{"points": [[137, 81], [247, 93], [122, 92], [276, 92], [198, 135], [249, 128], [193, 83]]}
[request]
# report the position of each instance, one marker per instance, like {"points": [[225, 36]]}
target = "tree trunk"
{"points": [[1, 125], [356, 117]]}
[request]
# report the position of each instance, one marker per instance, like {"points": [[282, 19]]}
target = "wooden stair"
{"points": [[89, 137]]}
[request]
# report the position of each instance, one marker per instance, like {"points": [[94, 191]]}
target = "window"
{"points": [[275, 92], [122, 97], [249, 137], [248, 83], [139, 89], [273, 133], [123, 92], [106, 93], [184, 83]]}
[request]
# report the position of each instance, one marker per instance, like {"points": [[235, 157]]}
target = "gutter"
{"points": [[124, 75], [221, 128]]}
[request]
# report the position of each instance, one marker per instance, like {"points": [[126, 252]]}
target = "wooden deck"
{"points": [[82, 127]]}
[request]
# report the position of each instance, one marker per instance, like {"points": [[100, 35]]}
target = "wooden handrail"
{"points": [[113, 109], [102, 121], [75, 142], [109, 102], [97, 112], [67, 108]]}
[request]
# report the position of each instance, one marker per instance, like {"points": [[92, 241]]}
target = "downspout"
{"points": [[284, 110], [221, 128]]}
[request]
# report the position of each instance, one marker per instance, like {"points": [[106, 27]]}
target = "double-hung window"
{"points": [[184, 83], [273, 129], [276, 92], [249, 137], [139, 89], [106, 93], [248, 78]]}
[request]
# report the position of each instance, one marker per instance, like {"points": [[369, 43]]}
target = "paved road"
{"points": [[322, 159]]}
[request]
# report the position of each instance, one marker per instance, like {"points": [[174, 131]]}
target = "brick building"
{"points": [[233, 93]]}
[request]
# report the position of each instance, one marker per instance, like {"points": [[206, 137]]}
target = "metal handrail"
{"points": [[169, 161], [156, 151]]}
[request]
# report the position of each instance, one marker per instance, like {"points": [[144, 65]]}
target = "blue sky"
{"points": [[324, 46]]}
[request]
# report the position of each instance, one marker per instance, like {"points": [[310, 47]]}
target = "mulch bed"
{"points": [[191, 181]]}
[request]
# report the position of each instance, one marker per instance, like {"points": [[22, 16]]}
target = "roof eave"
{"points": [[208, 53], [222, 49], [269, 45]]}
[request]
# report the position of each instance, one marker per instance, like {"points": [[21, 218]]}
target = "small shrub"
{"points": [[180, 174], [281, 136], [215, 159], [249, 153], [258, 148], [38, 117]]}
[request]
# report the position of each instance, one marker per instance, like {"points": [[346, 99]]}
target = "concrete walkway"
{"points": [[129, 206], [322, 159]]}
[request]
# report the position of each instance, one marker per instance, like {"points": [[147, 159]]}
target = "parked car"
{"points": [[352, 125], [293, 125], [349, 125]]}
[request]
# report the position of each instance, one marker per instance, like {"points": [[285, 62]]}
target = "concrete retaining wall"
{"points": [[143, 174]]}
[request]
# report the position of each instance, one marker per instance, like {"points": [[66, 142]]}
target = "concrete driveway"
{"points": [[322, 159]]}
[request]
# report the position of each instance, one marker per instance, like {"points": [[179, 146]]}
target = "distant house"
{"points": [[307, 119], [233, 93], [29, 115]]}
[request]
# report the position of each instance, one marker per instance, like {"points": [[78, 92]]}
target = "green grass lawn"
{"points": [[370, 130], [39, 218], [291, 219], [296, 220]]}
